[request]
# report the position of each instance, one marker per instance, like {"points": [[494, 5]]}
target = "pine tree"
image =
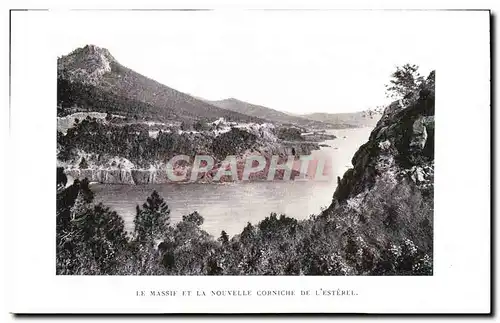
{"points": [[153, 219], [406, 81], [224, 238], [248, 233]]}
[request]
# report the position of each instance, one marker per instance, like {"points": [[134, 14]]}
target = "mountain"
{"points": [[356, 119], [272, 115], [90, 78]]}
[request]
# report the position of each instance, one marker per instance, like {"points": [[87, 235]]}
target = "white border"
{"points": [[462, 217]]}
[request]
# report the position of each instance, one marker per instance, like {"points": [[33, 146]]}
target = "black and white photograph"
{"points": [[307, 154], [227, 173]]}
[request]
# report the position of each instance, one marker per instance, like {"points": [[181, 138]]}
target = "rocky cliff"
{"points": [[106, 174], [382, 212], [401, 147], [96, 163]]}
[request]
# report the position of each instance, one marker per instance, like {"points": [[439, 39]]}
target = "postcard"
{"points": [[250, 161]]}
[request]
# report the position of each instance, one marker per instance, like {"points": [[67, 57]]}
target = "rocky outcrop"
{"points": [[104, 176], [401, 147], [244, 141], [86, 65], [158, 175]]}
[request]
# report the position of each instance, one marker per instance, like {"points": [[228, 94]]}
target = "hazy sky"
{"points": [[294, 61]]}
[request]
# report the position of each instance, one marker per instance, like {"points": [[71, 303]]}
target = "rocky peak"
{"points": [[232, 100], [87, 64]]}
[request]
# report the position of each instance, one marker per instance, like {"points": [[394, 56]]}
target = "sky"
{"points": [[294, 61]]}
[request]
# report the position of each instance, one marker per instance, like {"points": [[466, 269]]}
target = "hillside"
{"points": [[383, 207], [401, 147], [356, 119], [272, 115], [90, 78]]}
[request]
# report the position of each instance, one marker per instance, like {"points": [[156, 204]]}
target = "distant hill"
{"points": [[90, 78], [356, 119], [272, 115]]}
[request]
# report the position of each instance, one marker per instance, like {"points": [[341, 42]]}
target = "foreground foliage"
{"points": [[391, 234]]}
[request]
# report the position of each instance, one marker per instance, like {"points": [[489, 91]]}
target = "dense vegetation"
{"points": [[232, 143], [75, 97], [390, 235], [132, 141], [290, 134]]}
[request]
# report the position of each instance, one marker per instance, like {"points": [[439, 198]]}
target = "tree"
{"points": [[406, 82], [89, 238], [83, 164], [224, 238], [194, 217], [248, 233], [99, 238], [153, 219]]}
